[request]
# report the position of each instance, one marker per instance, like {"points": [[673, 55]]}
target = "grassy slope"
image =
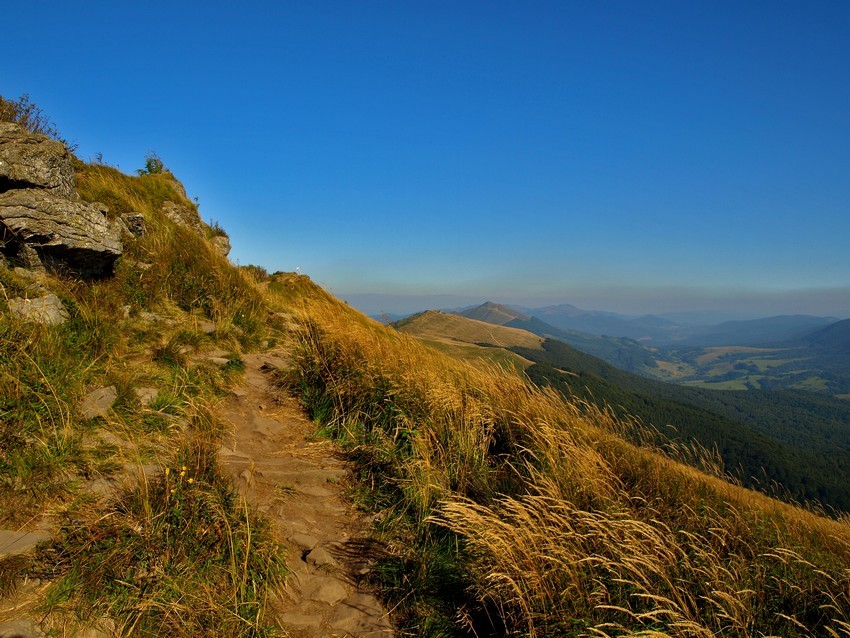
{"points": [[809, 432], [173, 555], [496, 314], [508, 509], [798, 440], [470, 340], [449, 327]]}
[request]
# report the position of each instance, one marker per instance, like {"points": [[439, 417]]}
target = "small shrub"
{"points": [[214, 229], [153, 165], [28, 115]]}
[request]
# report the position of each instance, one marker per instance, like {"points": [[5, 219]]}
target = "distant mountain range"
{"points": [[801, 439], [787, 352], [757, 332], [626, 354], [650, 330], [654, 330]]}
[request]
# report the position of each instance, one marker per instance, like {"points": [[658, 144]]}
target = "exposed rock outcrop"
{"points": [[34, 161], [188, 216], [135, 223], [61, 231], [221, 244], [183, 216], [46, 310], [42, 219]]}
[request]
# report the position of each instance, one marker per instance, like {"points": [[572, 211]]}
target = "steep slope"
{"points": [[802, 441], [623, 353], [835, 337], [797, 440], [114, 412], [468, 339], [109, 434]]}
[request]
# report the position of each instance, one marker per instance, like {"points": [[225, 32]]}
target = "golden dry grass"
{"points": [[480, 356], [563, 527], [442, 326]]}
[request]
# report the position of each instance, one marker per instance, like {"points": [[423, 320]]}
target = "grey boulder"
{"points": [[74, 234], [45, 310], [221, 244], [34, 161]]}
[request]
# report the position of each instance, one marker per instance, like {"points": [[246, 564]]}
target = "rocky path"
{"points": [[295, 480]]}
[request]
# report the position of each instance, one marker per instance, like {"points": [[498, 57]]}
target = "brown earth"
{"points": [[296, 481]]}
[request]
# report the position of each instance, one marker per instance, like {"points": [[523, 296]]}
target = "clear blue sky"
{"points": [[623, 155]]}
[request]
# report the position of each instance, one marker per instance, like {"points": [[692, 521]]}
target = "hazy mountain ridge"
{"points": [[835, 336], [755, 354], [657, 330], [780, 329], [624, 353], [654, 330], [494, 313], [648, 328], [791, 435]]}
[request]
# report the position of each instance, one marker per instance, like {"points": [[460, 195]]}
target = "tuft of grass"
{"points": [[28, 114], [175, 555], [40, 378]]}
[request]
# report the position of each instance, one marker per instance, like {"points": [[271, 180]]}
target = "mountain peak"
{"points": [[492, 312]]}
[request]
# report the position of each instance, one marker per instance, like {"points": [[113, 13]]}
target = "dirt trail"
{"points": [[295, 481]]}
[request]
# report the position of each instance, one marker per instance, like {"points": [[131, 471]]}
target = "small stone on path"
{"points": [[304, 542], [360, 615], [313, 490], [320, 557], [20, 628], [322, 589]]}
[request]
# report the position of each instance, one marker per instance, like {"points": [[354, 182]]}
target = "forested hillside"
{"points": [[800, 440]]}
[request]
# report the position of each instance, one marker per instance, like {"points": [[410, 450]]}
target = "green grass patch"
{"points": [[176, 555]]}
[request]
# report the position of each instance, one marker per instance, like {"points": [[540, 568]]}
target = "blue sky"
{"points": [[628, 156]]}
